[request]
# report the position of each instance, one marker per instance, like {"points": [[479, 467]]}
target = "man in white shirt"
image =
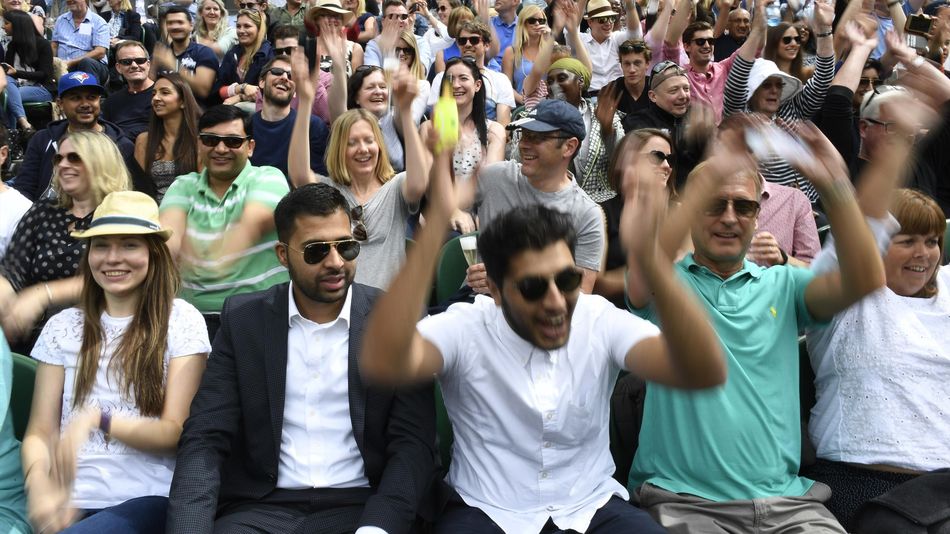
{"points": [[602, 43], [396, 18], [283, 435], [527, 374]]}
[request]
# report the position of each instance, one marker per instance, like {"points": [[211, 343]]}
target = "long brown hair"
{"points": [[631, 143], [918, 214], [139, 358], [773, 40], [185, 149]]}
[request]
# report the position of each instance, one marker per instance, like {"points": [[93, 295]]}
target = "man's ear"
{"points": [[862, 128], [4, 154], [281, 251], [652, 96], [570, 147], [494, 291]]}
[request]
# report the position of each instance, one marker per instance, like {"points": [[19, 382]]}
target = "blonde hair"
{"points": [[105, 168], [258, 20], [416, 67], [457, 16], [521, 32], [215, 33], [336, 151]]}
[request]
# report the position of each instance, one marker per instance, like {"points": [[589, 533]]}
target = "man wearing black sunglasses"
{"points": [[320, 451], [131, 107], [274, 123], [527, 374], [602, 42], [223, 216]]}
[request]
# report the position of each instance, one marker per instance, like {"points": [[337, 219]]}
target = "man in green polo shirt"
{"points": [[223, 217], [726, 459]]}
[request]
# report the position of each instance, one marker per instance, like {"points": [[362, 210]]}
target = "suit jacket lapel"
{"points": [[359, 309], [275, 358]]}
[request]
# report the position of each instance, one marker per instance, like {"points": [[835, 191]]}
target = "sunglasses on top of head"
{"points": [[314, 253], [534, 288]]}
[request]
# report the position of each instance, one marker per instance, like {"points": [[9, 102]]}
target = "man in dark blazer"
{"points": [[257, 446]]}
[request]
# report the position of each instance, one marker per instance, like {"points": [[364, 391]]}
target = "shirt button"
{"points": [[549, 416], [544, 474], [547, 444], [551, 508]]}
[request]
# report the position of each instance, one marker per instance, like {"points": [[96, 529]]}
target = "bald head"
{"points": [[740, 23]]}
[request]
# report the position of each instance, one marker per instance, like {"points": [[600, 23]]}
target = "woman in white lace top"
{"points": [[882, 366], [115, 381]]}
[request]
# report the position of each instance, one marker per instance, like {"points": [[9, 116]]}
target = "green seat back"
{"points": [[21, 398], [450, 271]]}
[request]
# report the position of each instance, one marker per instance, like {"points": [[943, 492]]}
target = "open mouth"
{"points": [[553, 327], [919, 269]]}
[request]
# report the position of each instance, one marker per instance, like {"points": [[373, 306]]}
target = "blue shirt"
{"points": [[76, 41], [196, 55], [506, 36]]}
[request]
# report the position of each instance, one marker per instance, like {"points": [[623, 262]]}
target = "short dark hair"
{"points": [[532, 227], [286, 31], [176, 9], [691, 30], [225, 113], [311, 199], [874, 64], [356, 83], [271, 61], [390, 3]]}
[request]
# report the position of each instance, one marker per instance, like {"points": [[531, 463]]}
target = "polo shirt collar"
{"points": [[501, 24], [204, 187], [748, 268]]}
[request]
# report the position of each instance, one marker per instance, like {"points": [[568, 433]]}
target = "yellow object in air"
{"points": [[446, 117]]}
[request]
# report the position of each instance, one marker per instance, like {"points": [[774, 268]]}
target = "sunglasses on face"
{"points": [[658, 157], [703, 41], [463, 41], [130, 60], [787, 39], [535, 287], [605, 20], [405, 51], [285, 50], [248, 5], [314, 253], [359, 228], [442, 8], [874, 82], [742, 207], [534, 21], [230, 141], [277, 71], [394, 16], [72, 157]]}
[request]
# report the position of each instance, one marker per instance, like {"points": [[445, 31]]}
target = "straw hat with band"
{"points": [[125, 213], [331, 6], [600, 8]]}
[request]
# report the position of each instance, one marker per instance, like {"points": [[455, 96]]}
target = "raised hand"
{"points": [[826, 169], [824, 14], [405, 89], [643, 211], [332, 41], [25, 311], [607, 102], [305, 81]]}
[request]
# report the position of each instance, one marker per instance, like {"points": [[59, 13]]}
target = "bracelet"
{"points": [[105, 423], [824, 34], [49, 294]]}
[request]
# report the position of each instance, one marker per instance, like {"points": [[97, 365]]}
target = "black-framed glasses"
{"points": [[534, 21], [474, 39], [277, 71], [359, 227], [405, 50], [400, 16], [889, 127], [787, 39], [285, 50], [743, 208], [532, 137], [535, 287], [703, 41], [231, 141], [72, 157], [126, 62], [633, 46], [314, 253], [658, 157]]}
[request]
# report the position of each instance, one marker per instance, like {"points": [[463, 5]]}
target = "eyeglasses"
{"points": [[787, 39], [532, 137], [72, 157], [534, 21], [889, 127], [658, 157], [463, 41], [535, 287], [277, 71], [248, 5], [743, 208], [633, 47], [285, 50], [660, 67], [359, 228], [864, 82], [130, 60], [314, 253], [703, 41], [400, 16], [405, 51], [605, 20], [230, 141]]}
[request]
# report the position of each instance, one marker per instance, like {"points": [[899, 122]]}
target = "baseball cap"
{"points": [[73, 80], [550, 115]]}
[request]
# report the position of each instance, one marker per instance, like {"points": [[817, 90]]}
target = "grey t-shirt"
{"points": [[502, 187], [384, 216]]}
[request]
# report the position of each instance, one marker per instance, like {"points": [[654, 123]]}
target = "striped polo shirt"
{"points": [[210, 280]]}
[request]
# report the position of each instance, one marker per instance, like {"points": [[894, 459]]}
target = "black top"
{"points": [[725, 46], [42, 73], [630, 103], [128, 111], [131, 26], [687, 156]]}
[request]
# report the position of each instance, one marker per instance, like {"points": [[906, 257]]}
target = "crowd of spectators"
{"points": [[707, 294]]}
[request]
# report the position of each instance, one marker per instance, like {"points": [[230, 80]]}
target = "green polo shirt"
{"points": [[213, 279], [741, 440], [279, 16]]}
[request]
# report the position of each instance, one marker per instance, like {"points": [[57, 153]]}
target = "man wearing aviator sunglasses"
{"points": [[350, 456], [527, 374], [274, 123], [222, 217]]}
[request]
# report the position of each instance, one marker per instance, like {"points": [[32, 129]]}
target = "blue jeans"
{"points": [[17, 95], [142, 515]]}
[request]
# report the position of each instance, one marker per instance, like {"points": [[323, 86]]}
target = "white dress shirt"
{"points": [[531, 426], [317, 445]]}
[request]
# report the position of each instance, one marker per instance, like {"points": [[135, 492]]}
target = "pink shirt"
{"points": [[706, 87], [786, 214]]}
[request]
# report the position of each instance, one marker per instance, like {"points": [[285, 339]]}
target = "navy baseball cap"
{"points": [[74, 80], [551, 115]]}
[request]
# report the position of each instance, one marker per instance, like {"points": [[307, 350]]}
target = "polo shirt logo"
{"points": [[773, 311]]}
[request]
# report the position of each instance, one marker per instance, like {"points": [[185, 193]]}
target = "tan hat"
{"points": [[331, 6], [600, 8], [125, 213]]}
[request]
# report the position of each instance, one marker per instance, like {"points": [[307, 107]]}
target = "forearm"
{"points": [[580, 51], [824, 46], [860, 261], [36, 460], [156, 436], [337, 97], [96, 53], [633, 20], [678, 22], [298, 153], [722, 22], [849, 75], [897, 15], [417, 162]]}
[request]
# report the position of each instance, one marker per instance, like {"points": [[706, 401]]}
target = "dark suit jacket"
{"points": [[230, 445]]}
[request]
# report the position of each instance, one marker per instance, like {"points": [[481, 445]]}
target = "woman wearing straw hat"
{"points": [[330, 16], [115, 381]]}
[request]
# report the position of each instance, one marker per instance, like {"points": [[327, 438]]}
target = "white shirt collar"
{"points": [[293, 311]]}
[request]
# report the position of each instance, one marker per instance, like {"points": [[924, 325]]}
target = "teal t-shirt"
{"points": [[12, 499], [741, 440]]}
